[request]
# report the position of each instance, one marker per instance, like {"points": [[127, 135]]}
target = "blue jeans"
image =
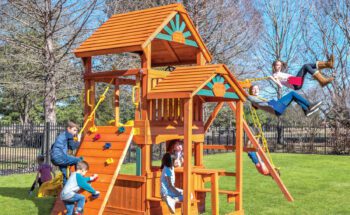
{"points": [[63, 161], [307, 68], [69, 203], [293, 96]]}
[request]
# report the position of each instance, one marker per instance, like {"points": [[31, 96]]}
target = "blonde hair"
{"points": [[284, 65]]}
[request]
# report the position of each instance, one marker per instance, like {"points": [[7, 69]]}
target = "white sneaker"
{"points": [[170, 203]]}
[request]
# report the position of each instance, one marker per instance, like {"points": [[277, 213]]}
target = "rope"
{"points": [[102, 98], [261, 134], [257, 79]]}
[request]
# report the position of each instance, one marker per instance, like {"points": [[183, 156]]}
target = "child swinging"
{"points": [[282, 78]]}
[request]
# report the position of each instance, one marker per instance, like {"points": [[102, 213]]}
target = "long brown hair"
{"points": [[284, 65]]}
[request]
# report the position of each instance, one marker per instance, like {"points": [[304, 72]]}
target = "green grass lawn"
{"points": [[319, 184]]}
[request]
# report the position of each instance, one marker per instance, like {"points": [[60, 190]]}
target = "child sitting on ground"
{"points": [[59, 150], [168, 192], [43, 175], [77, 181]]}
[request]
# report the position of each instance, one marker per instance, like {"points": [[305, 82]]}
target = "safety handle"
{"points": [[136, 103], [88, 98]]}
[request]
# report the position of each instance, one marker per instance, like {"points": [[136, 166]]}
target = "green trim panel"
{"points": [[204, 92]]}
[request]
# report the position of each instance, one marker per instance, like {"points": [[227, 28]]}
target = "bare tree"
{"points": [[47, 31], [328, 32]]}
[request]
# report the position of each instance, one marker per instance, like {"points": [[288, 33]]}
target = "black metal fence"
{"points": [[21, 144]]}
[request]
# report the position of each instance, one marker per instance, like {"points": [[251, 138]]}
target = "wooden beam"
{"points": [[132, 48], [122, 81], [263, 156], [213, 116], [187, 174], [116, 101], [239, 156], [225, 147], [218, 99], [111, 73], [198, 155], [168, 95]]}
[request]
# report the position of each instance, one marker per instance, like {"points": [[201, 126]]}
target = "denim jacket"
{"points": [[63, 142]]}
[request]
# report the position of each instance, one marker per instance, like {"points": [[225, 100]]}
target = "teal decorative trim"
{"points": [[187, 34], [210, 86], [167, 29], [204, 92], [176, 27], [191, 43], [231, 95], [177, 21], [164, 37]]}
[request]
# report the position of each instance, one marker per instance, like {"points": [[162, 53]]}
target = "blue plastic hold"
{"points": [[107, 146], [121, 130]]}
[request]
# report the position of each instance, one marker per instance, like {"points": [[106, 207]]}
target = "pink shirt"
{"points": [[45, 172], [283, 78]]}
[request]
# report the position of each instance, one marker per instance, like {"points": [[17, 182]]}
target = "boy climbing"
{"points": [[59, 150], [282, 78], [278, 107], [77, 181]]}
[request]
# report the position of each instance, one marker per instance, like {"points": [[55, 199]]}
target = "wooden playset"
{"points": [[169, 105]]}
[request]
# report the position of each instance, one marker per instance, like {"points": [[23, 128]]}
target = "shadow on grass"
{"points": [[44, 205]]}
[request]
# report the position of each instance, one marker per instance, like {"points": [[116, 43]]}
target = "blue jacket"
{"points": [[63, 142]]}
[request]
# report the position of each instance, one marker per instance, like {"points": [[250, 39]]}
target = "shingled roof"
{"points": [[186, 82], [133, 31]]}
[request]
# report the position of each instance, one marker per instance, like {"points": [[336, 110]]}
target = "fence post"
{"points": [[46, 144], [325, 138]]}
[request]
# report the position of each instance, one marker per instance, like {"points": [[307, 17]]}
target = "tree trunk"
{"points": [[49, 67]]}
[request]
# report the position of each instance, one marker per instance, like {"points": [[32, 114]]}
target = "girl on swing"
{"points": [[296, 82], [278, 107]]}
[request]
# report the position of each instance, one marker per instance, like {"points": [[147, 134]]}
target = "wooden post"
{"points": [[200, 58], [264, 158], [188, 116], [215, 193], [89, 89], [146, 64], [198, 154], [239, 158], [116, 101]]}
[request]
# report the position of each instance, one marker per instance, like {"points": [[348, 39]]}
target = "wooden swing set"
{"points": [[169, 105]]}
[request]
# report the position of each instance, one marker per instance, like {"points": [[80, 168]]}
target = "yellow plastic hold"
{"points": [[75, 139], [93, 129], [109, 161], [136, 131], [129, 123]]}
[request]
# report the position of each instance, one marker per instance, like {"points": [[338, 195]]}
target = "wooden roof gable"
{"points": [[169, 28], [207, 81]]}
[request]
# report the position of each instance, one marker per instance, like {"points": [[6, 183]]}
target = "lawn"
{"points": [[320, 184]]}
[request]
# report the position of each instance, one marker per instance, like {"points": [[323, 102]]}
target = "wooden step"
{"points": [[227, 192]]}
